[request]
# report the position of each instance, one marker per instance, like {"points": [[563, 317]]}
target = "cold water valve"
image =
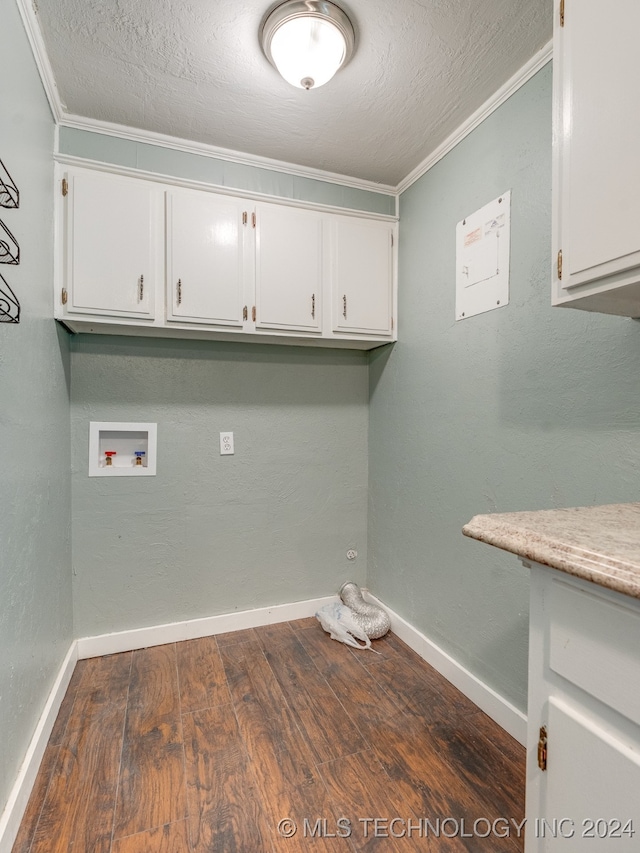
{"points": [[139, 454]]}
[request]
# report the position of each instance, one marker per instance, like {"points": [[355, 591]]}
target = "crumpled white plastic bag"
{"points": [[337, 620]]}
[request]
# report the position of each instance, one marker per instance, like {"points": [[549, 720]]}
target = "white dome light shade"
{"points": [[307, 51], [308, 41]]}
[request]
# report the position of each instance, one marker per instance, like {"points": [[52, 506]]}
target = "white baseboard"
{"points": [[492, 703], [19, 796], [506, 715], [157, 635]]}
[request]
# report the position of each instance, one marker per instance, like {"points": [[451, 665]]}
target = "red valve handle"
{"points": [[110, 453]]}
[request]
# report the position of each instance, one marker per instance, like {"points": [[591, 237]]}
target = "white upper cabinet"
{"points": [[596, 163], [362, 267], [206, 265], [113, 230], [138, 256], [289, 268]]}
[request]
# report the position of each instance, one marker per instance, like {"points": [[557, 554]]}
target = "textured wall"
{"points": [[524, 407], [212, 534], [35, 558]]}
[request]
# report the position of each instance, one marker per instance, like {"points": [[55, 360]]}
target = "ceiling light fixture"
{"points": [[307, 41]]}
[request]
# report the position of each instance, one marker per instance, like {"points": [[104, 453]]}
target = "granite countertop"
{"points": [[597, 543]]}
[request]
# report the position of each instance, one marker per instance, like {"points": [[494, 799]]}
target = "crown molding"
{"points": [[203, 149], [538, 61], [63, 119], [30, 21], [528, 70], [188, 183]]}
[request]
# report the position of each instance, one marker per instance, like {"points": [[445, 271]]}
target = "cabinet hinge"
{"points": [[392, 324], [392, 239], [65, 187], [253, 313], [560, 265], [64, 296], [542, 748], [245, 217], [562, 13], [253, 219]]}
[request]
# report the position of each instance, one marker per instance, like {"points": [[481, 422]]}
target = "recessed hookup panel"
{"points": [[119, 449]]}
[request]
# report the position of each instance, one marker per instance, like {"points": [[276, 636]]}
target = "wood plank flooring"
{"points": [[230, 743]]}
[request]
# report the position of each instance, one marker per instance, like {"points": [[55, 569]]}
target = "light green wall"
{"points": [[223, 173], [35, 558], [216, 534], [521, 408]]}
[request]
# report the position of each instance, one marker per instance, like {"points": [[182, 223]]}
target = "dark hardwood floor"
{"points": [[231, 743]]}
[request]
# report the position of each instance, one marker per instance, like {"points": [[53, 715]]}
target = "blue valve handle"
{"points": [[139, 452]]}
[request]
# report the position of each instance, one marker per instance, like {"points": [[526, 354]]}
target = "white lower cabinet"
{"points": [[206, 258], [141, 257], [584, 717], [112, 240]]}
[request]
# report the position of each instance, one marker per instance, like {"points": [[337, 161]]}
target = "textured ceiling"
{"points": [[194, 69]]}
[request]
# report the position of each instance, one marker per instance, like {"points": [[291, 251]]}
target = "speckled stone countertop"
{"points": [[597, 543]]}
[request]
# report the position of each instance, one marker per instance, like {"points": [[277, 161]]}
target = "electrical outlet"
{"points": [[352, 554], [226, 444]]}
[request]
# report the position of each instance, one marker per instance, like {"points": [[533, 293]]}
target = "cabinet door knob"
{"points": [[179, 291], [344, 306]]}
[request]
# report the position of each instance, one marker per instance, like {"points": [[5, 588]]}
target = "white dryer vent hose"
{"points": [[373, 620]]}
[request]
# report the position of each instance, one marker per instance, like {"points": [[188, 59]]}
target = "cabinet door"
{"points": [[362, 272], [114, 227], [289, 268], [582, 793], [205, 257], [596, 163], [590, 796]]}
